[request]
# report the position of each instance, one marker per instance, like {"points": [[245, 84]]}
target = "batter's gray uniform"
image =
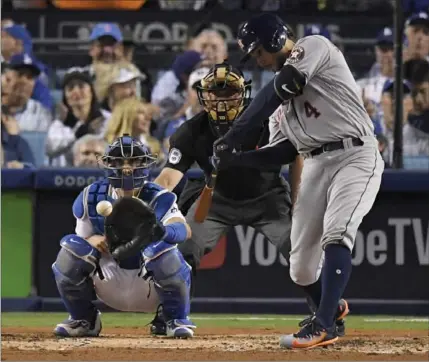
{"points": [[338, 188]]}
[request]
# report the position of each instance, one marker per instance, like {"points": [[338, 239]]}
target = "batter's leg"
{"points": [[76, 263], [306, 257], [351, 195]]}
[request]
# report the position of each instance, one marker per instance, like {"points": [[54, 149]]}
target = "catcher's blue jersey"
{"points": [[89, 222]]}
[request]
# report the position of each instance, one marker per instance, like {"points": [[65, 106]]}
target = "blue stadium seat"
{"points": [[57, 96], [416, 163], [36, 141]]}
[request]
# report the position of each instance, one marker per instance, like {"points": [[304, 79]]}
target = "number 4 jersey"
{"points": [[331, 107]]}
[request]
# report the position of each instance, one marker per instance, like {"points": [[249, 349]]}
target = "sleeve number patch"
{"points": [[174, 156], [311, 111]]}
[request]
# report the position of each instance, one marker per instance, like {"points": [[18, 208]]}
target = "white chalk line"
{"points": [[370, 320]]}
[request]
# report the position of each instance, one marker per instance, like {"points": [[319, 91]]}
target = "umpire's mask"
{"points": [[223, 93]]}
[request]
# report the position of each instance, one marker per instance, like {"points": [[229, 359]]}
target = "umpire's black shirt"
{"points": [[193, 142]]}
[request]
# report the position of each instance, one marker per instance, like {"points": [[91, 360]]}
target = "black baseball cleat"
{"points": [[340, 327], [342, 311], [158, 326]]}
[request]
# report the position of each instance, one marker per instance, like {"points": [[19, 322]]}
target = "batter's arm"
{"points": [[283, 153], [288, 83], [295, 170]]}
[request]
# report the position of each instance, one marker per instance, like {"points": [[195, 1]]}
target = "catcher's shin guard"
{"points": [[172, 276], [76, 262]]}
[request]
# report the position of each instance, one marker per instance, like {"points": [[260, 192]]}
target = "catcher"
{"points": [[128, 258]]}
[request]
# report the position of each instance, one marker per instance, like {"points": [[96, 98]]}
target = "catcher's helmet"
{"points": [[267, 30], [127, 162], [223, 93]]}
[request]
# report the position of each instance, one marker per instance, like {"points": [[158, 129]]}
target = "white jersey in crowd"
{"points": [[331, 107], [34, 117]]}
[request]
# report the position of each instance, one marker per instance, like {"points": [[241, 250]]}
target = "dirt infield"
{"points": [[209, 344]]}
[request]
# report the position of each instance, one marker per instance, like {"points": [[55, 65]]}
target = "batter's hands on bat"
{"points": [[222, 155]]}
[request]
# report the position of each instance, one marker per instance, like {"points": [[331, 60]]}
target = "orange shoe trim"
{"points": [[345, 311]]}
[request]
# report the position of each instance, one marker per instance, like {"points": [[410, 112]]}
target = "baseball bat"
{"points": [[205, 199]]}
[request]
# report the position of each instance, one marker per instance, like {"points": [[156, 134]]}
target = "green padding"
{"points": [[16, 243]]}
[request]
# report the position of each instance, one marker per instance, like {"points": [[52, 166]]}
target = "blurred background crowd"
{"points": [[56, 116]]}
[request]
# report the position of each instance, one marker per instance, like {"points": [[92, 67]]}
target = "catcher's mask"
{"points": [[223, 93], [127, 162]]}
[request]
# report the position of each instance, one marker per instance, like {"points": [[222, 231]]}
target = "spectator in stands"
{"points": [[106, 43], [116, 84], [16, 152], [417, 33], [17, 40], [211, 45], [17, 86], [169, 92], [415, 142], [194, 106], [419, 116], [381, 71], [79, 114], [145, 80], [134, 117], [87, 150]]}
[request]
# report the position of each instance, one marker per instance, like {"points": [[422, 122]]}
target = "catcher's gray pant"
{"points": [[269, 214]]}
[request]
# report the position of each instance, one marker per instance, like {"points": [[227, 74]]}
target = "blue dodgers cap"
{"points": [[389, 86], [19, 32], [186, 62], [420, 18], [314, 29], [106, 29], [24, 60]]}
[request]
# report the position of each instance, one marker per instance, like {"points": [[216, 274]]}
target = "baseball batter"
{"points": [[131, 265], [326, 121]]}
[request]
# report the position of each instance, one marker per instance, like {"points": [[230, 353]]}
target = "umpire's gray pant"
{"points": [[269, 214]]}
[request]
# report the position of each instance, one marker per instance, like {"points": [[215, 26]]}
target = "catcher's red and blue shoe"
{"points": [[180, 328], [79, 328], [311, 335], [342, 311]]}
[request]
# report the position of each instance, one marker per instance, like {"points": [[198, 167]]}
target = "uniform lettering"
{"points": [[311, 111]]}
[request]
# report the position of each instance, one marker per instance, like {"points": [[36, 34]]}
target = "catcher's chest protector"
{"points": [[154, 195], [96, 192]]}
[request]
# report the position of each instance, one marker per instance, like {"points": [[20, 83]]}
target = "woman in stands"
{"points": [[134, 117], [80, 114]]}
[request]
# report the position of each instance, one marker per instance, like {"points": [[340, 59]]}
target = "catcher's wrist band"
{"points": [[175, 233]]}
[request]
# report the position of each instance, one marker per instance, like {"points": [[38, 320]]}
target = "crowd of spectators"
{"points": [[113, 95]]}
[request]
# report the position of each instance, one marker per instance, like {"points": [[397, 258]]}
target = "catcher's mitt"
{"points": [[131, 226]]}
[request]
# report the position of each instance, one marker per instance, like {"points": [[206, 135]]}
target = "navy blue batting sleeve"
{"points": [[261, 107], [282, 153]]}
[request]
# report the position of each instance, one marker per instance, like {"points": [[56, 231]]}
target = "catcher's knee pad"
{"points": [[76, 260], [172, 276]]}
